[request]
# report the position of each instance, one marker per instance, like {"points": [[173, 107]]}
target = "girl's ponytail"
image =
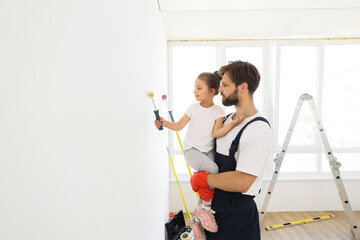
{"points": [[212, 80], [217, 74]]}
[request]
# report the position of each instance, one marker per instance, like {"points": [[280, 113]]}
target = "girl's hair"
{"points": [[212, 80]]}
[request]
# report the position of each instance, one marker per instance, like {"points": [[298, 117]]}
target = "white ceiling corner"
{"points": [[233, 5]]}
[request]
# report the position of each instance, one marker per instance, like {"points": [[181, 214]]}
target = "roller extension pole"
{"points": [[177, 181], [164, 97]]}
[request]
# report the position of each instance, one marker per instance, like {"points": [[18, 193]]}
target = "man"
{"points": [[241, 156]]}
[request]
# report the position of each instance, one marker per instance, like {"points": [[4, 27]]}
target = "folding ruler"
{"points": [[334, 165]]}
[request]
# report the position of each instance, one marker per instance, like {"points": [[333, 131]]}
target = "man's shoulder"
{"points": [[255, 126], [259, 122], [259, 130]]}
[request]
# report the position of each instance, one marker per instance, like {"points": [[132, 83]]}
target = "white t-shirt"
{"points": [[202, 120], [255, 149]]}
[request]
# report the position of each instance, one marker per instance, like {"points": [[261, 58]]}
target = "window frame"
{"points": [[270, 96]]}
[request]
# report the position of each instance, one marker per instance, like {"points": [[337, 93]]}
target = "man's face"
{"points": [[228, 91]]}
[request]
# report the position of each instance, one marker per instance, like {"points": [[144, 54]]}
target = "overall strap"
{"points": [[235, 143], [227, 117]]}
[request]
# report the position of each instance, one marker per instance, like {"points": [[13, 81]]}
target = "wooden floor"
{"points": [[332, 229]]}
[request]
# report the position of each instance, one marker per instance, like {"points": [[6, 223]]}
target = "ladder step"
{"points": [[300, 222]]}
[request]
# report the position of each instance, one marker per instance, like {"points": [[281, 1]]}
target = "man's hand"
{"points": [[198, 180], [206, 194]]}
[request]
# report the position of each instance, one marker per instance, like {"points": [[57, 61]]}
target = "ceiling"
{"points": [[233, 5]]}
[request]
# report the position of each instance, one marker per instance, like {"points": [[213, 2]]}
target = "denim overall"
{"points": [[236, 213]]}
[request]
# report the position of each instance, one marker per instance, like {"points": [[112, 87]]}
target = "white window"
{"points": [[342, 95], [186, 62], [328, 70], [298, 74]]}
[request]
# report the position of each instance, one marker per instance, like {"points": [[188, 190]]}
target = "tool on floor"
{"points": [[299, 222], [175, 228], [333, 163], [185, 236]]}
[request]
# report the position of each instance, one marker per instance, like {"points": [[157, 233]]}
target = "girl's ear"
{"points": [[212, 91]]}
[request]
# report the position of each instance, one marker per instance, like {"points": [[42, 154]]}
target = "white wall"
{"points": [[289, 195], [79, 155]]}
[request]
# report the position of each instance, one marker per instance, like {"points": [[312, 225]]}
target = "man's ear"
{"points": [[243, 87]]}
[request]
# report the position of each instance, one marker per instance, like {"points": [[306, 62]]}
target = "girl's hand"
{"points": [[239, 118], [159, 122]]}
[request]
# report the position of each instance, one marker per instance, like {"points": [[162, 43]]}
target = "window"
{"points": [[298, 75], [329, 70], [341, 95], [187, 63]]}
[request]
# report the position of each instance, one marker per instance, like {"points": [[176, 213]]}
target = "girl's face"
{"points": [[202, 91]]}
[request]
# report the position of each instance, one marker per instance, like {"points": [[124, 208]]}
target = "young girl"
{"points": [[205, 123]]}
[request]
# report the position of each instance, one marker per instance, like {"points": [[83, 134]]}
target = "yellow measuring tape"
{"points": [[185, 236], [300, 222]]}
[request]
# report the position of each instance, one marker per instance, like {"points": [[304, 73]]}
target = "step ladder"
{"points": [[333, 163]]}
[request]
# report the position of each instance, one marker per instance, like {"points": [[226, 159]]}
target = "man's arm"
{"points": [[233, 181]]}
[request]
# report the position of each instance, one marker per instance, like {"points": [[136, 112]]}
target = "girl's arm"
{"points": [[220, 130], [176, 126]]}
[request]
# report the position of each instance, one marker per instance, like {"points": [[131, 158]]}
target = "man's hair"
{"points": [[240, 72]]}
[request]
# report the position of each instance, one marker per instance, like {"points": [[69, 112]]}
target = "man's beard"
{"points": [[232, 99]]}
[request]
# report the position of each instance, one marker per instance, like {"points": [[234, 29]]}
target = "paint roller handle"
{"points": [[171, 116], [158, 118]]}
